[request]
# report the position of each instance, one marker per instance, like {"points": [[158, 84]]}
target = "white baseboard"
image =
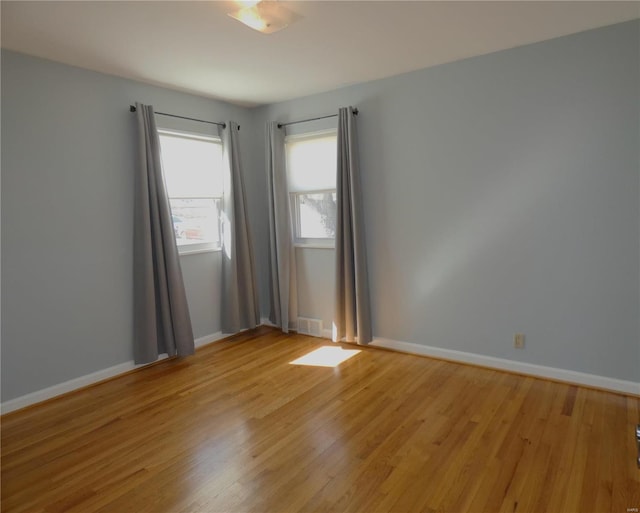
{"points": [[530, 369], [209, 339], [568, 376], [89, 379], [68, 386]]}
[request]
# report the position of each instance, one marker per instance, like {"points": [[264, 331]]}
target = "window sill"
{"points": [[312, 246], [198, 251]]}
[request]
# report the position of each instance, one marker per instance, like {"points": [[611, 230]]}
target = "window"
{"points": [[311, 176], [192, 167]]}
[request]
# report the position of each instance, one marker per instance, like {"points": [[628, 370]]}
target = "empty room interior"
{"points": [[341, 256]]}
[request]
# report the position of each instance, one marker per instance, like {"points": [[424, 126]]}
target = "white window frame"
{"points": [[307, 242], [294, 198], [200, 247]]}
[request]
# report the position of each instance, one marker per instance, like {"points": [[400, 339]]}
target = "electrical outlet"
{"points": [[518, 341]]}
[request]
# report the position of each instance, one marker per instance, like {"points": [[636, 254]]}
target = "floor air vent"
{"points": [[311, 327]]}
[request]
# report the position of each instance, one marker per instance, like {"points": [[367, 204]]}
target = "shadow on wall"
{"points": [[493, 218]]}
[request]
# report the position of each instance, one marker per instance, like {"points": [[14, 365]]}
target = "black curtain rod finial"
{"points": [[132, 108]]}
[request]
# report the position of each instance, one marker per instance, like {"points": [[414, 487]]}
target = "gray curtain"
{"points": [[161, 312], [352, 317], [282, 263], [239, 291]]}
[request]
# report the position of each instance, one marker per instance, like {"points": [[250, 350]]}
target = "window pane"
{"points": [[196, 220], [192, 167], [311, 162], [317, 213]]}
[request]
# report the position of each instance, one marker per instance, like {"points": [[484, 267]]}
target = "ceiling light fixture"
{"points": [[267, 16]]}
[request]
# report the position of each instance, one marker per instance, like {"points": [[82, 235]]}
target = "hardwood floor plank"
{"points": [[239, 428]]}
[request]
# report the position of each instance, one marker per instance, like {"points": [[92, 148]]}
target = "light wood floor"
{"points": [[237, 428]]}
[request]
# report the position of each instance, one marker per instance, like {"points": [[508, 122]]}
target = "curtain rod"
{"points": [[281, 125], [132, 108]]}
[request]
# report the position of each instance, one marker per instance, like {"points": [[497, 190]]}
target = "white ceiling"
{"points": [[194, 46]]}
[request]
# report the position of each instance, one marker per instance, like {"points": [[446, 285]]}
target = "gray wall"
{"points": [[68, 156], [501, 196]]}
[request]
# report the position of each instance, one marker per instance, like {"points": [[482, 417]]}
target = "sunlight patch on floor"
{"points": [[326, 356]]}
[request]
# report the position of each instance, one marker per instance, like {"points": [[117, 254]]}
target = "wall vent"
{"points": [[311, 327]]}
